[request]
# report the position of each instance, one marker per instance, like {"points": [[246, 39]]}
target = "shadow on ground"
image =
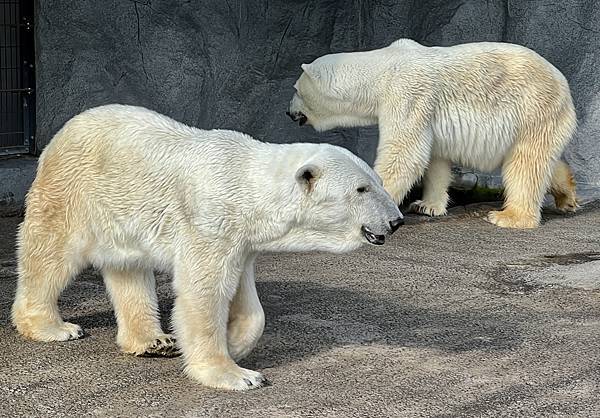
{"points": [[303, 319]]}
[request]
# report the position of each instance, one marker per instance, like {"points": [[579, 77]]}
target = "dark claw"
{"points": [[161, 348], [172, 353], [266, 382], [80, 334], [159, 353], [248, 382], [149, 354]]}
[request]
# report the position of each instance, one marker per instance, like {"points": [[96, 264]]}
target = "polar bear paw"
{"points": [[566, 203], [425, 207], [161, 346], [39, 330], [509, 219], [65, 331], [231, 377]]}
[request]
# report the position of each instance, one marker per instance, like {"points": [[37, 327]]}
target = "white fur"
{"points": [[480, 105], [129, 191]]}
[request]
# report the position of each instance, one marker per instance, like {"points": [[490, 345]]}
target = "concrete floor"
{"points": [[452, 317]]}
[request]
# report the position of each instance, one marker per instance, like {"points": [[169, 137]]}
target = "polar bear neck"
{"points": [[272, 197]]}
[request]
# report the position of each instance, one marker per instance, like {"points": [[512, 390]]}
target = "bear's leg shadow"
{"points": [[133, 294], [435, 189], [403, 153], [44, 271], [204, 292], [526, 176], [246, 315]]}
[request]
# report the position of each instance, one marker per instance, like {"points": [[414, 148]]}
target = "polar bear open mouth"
{"points": [[297, 117], [371, 237]]}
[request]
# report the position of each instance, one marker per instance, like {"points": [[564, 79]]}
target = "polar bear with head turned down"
{"points": [[128, 190], [481, 105]]}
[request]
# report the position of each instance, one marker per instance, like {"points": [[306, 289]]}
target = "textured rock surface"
{"points": [[231, 64]]}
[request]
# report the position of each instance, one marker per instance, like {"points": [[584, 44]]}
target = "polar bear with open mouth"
{"points": [[128, 190], [481, 105]]}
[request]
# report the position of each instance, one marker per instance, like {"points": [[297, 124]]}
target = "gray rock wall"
{"points": [[232, 63]]}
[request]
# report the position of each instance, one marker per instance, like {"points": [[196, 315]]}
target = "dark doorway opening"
{"points": [[17, 77]]}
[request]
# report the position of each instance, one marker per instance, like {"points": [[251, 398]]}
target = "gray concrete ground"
{"points": [[452, 317]]}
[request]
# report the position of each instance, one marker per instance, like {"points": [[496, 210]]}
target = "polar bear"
{"points": [[480, 105], [128, 190]]}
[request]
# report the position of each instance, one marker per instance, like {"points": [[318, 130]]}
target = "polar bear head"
{"points": [[336, 90], [339, 202]]}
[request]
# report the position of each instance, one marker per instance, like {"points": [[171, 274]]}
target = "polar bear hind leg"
{"points": [[435, 189], [246, 316], [526, 174], [562, 187], [133, 294], [44, 272]]}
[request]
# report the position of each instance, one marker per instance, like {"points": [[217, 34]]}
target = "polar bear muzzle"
{"points": [[380, 239]]}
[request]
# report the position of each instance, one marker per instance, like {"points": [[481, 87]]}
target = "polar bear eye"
{"points": [[362, 189]]}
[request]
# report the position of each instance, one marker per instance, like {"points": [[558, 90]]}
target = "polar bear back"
{"points": [[489, 94], [117, 141], [482, 96]]}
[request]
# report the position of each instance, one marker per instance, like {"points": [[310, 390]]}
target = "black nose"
{"points": [[396, 223]]}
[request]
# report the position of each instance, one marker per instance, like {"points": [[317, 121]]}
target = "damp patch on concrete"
{"points": [[573, 270]]}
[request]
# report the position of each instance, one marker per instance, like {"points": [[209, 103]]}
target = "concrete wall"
{"points": [[232, 63]]}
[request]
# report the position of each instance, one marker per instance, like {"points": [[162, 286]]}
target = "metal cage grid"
{"points": [[16, 77]]}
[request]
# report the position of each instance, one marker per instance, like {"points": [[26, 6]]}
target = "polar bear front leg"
{"points": [[435, 189], [133, 293], [246, 315], [200, 317], [404, 151]]}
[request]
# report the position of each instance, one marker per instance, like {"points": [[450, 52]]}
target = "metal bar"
{"points": [[3, 55], [27, 90], [17, 82], [13, 62], [27, 54]]}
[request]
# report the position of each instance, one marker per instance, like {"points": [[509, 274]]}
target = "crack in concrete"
{"points": [[452, 12], [582, 26], [137, 15], [506, 19], [236, 25], [285, 31]]}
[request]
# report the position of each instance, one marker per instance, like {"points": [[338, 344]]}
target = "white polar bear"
{"points": [[481, 105], [128, 190]]}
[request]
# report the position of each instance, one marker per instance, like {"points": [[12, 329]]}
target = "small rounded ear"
{"points": [[307, 176], [309, 69]]}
